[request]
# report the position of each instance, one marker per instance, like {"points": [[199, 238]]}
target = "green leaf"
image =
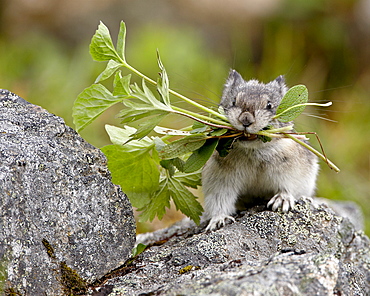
{"points": [[264, 139], [120, 136], [178, 163], [136, 111], [151, 98], [168, 165], [90, 103], [163, 83], [184, 200], [290, 106], [135, 171], [158, 203], [199, 127], [219, 132], [101, 46], [182, 146], [199, 157], [112, 67], [138, 249], [121, 40], [192, 180], [224, 146], [121, 85], [147, 126]]}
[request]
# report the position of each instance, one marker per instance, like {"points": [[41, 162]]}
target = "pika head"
{"points": [[250, 105]]}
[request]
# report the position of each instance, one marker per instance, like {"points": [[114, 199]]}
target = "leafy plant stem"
{"points": [[176, 94], [205, 119], [314, 151], [301, 105], [274, 133]]}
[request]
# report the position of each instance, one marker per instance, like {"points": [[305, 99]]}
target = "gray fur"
{"points": [[279, 171]]}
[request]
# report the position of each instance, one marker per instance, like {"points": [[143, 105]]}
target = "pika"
{"points": [[254, 171]]}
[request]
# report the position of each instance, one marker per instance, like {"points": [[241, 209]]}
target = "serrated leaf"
{"points": [[200, 156], [147, 126], [135, 171], [287, 110], [101, 46], [157, 205], [219, 132], [152, 99], [192, 180], [120, 136], [182, 146], [121, 40], [163, 82], [184, 200], [121, 85], [90, 103], [139, 111], [111, 67], [147, 98]]}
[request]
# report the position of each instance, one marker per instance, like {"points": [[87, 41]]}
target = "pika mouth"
{"points": [[248, 137]]}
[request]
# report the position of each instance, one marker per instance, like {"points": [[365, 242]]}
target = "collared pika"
{"points": [[279, 171]]}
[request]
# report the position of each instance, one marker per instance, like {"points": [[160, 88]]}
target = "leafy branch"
{"points": [[153, 170]]}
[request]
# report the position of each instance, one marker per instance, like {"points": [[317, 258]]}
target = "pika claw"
{"points": [[285, 202], [218, 222]]}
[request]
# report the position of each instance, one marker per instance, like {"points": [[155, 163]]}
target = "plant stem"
{"points": [[196, 118], [300, 105], [207, 118], [280, 129], [314, 151], [191, 102]]}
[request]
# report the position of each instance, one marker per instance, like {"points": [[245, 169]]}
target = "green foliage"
{"points": [[91, 103], [138, 250], [292, 104], [153, 170]]}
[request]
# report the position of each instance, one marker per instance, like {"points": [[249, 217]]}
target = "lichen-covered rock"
{"points": [[63, 224], [308, 251]]}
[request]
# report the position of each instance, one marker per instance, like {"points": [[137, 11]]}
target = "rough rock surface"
{"points": [[61, 218], [308, 251]]}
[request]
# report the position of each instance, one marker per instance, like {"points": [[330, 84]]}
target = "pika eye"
{"points": [[234, 102], [269, 105]]}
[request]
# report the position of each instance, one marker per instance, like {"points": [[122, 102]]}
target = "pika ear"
{"points": [[232, 82], [231, 87], [234, 79], [280, 80]]}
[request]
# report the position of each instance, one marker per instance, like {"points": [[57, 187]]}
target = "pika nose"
{"points": [[246, 119]]}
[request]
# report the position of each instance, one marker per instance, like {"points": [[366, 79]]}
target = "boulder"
{"points": [[307, 251], [63, 224]]}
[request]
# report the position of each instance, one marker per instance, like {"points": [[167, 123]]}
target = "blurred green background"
{"points": [[44, 58]]}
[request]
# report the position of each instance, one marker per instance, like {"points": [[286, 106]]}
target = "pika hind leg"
{"points": [[283, 201]]}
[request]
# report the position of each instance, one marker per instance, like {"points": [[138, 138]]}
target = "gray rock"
{"points": [[308, 251], [63, 224]]}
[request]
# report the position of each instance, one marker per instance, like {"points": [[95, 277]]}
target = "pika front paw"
{"points": [[282, 201], [219, 221]]}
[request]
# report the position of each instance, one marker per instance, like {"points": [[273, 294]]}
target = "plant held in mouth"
{"points": [[152, 170]]}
